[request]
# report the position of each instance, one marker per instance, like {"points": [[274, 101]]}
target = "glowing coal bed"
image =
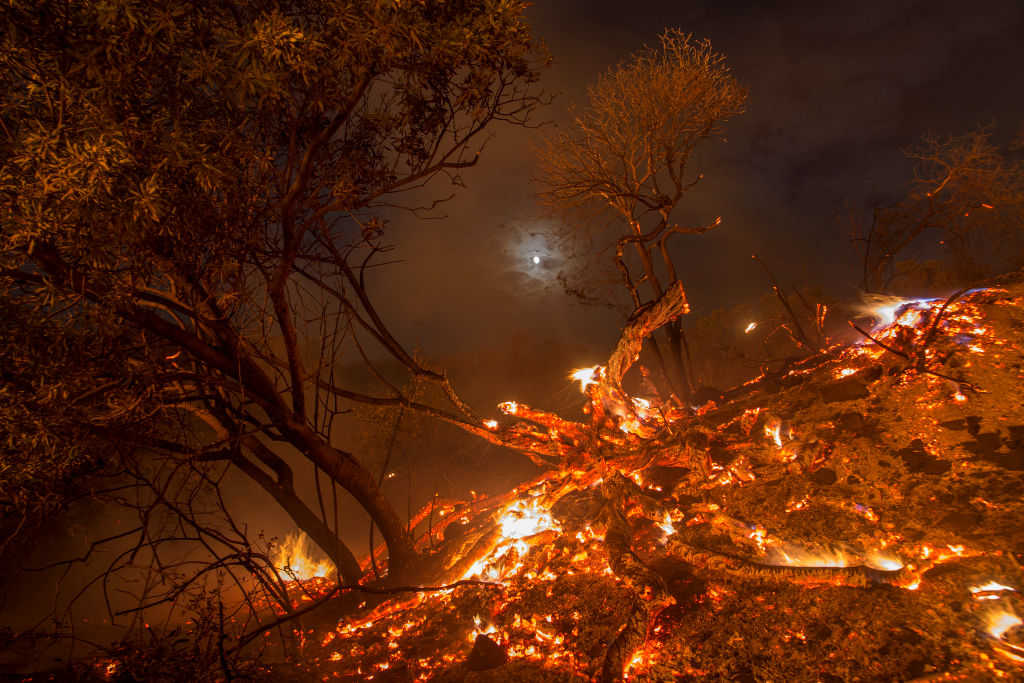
{"points": [[854, 517]]}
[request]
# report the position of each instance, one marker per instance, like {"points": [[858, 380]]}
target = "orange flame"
{"points": [[293, 559], [587, 376]]}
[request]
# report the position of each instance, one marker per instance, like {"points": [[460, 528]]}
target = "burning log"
{"points": [[667, 308]]}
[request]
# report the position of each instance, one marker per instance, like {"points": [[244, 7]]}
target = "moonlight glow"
{"points": [[533, 254]]}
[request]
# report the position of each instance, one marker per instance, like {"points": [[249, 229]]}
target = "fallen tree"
{"points": [[853, 516]]}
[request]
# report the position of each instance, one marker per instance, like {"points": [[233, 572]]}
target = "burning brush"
{"points": [[848, 518]]}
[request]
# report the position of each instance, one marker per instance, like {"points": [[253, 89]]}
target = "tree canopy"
{"points": [[190, 196]]}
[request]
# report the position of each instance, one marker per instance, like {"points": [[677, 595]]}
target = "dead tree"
{"points": [[967, 198], [628, 154]]}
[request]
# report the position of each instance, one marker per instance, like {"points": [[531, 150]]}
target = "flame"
{"points": [[666, 525], [293, 560], [750, 328], [991, 586], [789, 554], [525, 518], [879, 560], [521, 519], [986, 590], [774, 430], [587, 376], [1000, 621], [888, 309], [491, 424], [481, 630], [509, 407], [794, 556]]}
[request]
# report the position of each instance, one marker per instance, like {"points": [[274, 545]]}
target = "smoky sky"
{"points": [[837, 92]]}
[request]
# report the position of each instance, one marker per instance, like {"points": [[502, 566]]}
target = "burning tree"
{"points": [[192, 198], [192, 203], [853, 517], [628, 154]]}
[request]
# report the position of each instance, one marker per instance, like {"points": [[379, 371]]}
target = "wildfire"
{"points": [[886, 310], [587, 376], [293, 559], [1000, 621], [520, 520], [984, 591], [629, 460], [773, 430]]}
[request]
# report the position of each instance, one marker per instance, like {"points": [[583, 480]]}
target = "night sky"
{"points": [[835, 96]]}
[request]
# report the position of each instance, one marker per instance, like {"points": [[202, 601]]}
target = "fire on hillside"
{"points": [[855, 516]]}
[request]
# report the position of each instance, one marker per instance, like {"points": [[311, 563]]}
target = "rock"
{"points": [[848, 389], [850, 422], [825, 476], [486, 654], [917, 459]]}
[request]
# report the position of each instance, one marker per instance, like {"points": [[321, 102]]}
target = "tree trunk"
{"points": [[306, 520], [671, 362], [354, 478]]}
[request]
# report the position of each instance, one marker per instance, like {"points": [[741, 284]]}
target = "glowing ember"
{"points": [[491, 424], [509, 407], [666, 525], [999, 622], [774, 431], [750, 328], [887, 309], [587, 376], [883, 561], [985, 591], [293, 559], [524, 518]]}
